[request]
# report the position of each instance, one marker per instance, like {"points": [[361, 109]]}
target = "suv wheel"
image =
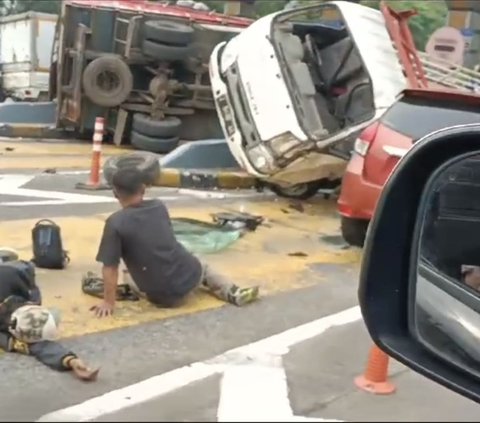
{"points": [[304, 191], [354, 231]]}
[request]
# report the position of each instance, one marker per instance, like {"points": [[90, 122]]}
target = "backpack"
{"points": [[48, 252]]}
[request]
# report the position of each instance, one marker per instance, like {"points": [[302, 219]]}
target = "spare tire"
{"points": [[165, 128], [146, 163], [168, 32], [154, 145], [107, 81], [166, 53]]}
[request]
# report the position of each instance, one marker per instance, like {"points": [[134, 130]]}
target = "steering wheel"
{"points": [[314, 55]]}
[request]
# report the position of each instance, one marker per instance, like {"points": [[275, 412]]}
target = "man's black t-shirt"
{"points": [[143, 237]]}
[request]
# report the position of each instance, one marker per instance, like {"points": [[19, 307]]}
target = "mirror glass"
{"points": [[446, 312]]}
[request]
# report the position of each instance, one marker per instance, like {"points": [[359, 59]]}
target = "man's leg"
{"points": [[224, 289], [128, 280]]}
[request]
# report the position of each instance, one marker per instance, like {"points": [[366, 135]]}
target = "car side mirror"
{"points": [[420, 281]]}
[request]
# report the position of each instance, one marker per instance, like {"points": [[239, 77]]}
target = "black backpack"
{"points": [[48, 252]]}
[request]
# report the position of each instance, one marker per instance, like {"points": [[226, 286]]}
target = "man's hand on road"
{"points": [[82, 371], [104, 309]]}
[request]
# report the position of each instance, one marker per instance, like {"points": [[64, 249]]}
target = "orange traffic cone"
{"points": [[375, 378]]}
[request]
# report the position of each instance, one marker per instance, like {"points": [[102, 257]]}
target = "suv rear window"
{"points": [[417, 117]]}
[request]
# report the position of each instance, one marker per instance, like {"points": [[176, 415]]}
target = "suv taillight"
{"points": [[362, 143]]}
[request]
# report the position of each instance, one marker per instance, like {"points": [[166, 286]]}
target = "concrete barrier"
{"points": [[206, 164], [205, 179]]}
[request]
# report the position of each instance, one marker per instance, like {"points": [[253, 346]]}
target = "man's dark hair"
{"points": [[128, 182]]}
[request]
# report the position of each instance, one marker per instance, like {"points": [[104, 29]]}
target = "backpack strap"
{"points": [[45, 222]]}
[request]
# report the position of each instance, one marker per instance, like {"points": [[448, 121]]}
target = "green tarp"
{"points": [[203, 237]]}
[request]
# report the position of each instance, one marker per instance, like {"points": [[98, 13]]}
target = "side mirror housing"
{"points": [[418, 285]]}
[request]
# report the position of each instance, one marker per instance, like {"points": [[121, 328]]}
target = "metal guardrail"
{"points": [[450, 75]]}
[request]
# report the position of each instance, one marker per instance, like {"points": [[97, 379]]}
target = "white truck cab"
{"points": [[296, 84]]}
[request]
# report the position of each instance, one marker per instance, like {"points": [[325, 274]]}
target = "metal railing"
{"points": [[447, 74]]}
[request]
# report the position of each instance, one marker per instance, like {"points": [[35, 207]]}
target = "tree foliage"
{"points": [[11, 7], [431, 14]]}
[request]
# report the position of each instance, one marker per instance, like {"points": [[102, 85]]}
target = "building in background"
{"points": [[244, 8], [464, 15]]}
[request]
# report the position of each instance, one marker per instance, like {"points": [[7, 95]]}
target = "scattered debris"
{"points": [[238, 220], [297, 206], [9, 148], [92, 284], [298, 254]]}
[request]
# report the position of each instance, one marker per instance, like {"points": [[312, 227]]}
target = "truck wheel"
{"points": [[107, 81], [165, 52], [165, 128], [146, 163], [168, 32], [154, 145], [354, 231], [303, 191]]}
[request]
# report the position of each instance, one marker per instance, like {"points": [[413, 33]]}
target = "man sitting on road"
{"points": [[160, 269]]}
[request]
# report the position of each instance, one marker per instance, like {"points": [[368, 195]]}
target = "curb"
{"points": [[205, 179], [35, 131]]}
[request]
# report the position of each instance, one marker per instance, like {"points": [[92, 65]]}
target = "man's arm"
{"points": [[110, 282], [50, 353], [109, 254]]}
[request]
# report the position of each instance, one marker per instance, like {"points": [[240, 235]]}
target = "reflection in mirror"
{"points": [[446, 315]]}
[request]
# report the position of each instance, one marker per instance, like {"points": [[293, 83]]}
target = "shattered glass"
{"points": [[203, 237]]}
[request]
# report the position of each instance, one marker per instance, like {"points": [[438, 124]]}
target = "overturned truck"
{"points": [[143, 66]]}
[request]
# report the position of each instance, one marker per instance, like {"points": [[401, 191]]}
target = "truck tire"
{"points": [[153, 144], [303, 191], [164, 52], [146, 163], [354, 231], [165, 128], [107, 81], [168, 32]]}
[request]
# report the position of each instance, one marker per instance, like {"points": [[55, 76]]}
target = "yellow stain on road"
{"points": [[45, 155], [278, 257]]}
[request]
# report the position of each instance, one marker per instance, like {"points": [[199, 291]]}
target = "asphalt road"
{"points": [[319, 370]]}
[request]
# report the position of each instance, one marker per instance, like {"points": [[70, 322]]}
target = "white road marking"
{"points": [[12, 184], [257, 393], [33, 203], [63, 202], [156, 386], [67, 197], [254, 392]]}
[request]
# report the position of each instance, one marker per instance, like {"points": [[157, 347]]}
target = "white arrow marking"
{"points": [[257, 392], [13, 182], [156, 386], [254, 393]]}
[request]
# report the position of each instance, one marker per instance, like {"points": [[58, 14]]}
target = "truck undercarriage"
{"points": [[143, 67]]}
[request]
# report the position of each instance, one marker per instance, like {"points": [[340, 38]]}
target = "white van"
{"points": [[294, 89]]}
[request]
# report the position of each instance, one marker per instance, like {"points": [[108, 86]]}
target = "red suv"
{"points": [[380, 146]]}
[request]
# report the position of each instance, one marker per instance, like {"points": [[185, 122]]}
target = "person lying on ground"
{"points": [[28, 328], [159, 268]]}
